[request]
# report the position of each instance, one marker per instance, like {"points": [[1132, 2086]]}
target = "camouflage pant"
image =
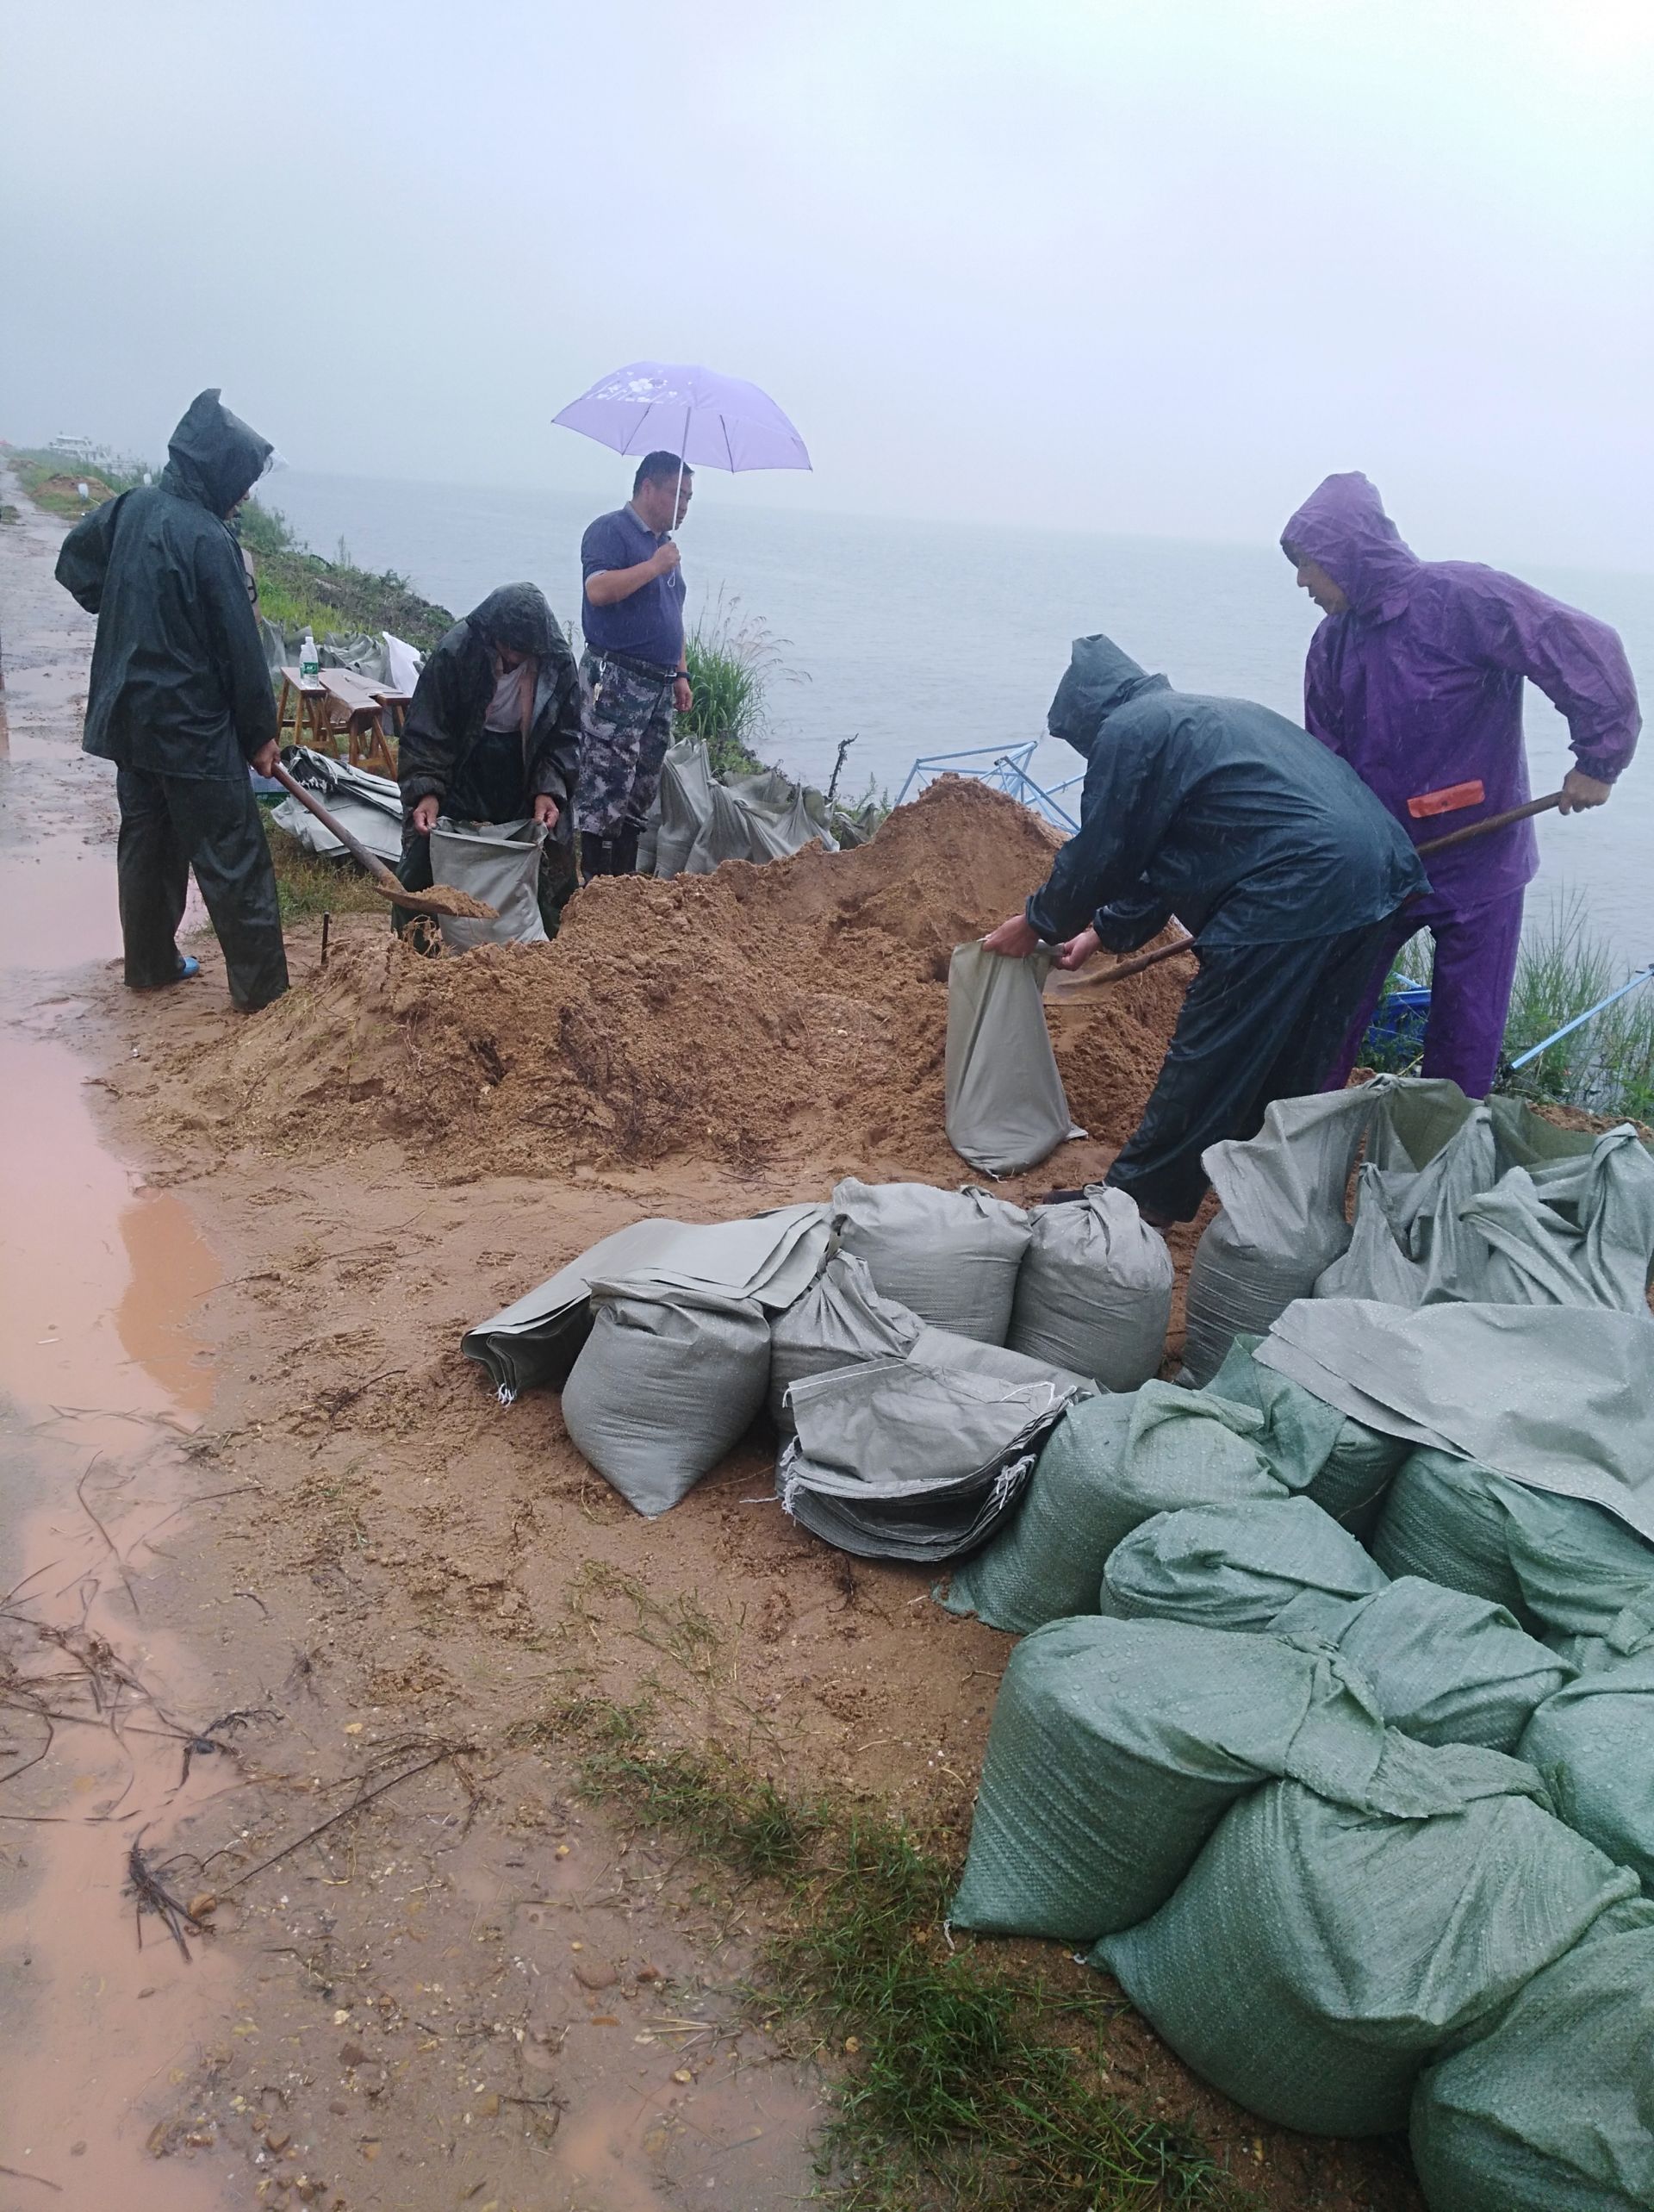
{"points": [[622, 740]]}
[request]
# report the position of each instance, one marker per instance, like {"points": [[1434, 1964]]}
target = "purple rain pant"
{"points": [[1470, 993]]}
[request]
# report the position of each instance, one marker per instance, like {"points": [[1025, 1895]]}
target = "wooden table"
{"points": [[303, 707], [318, 707]]}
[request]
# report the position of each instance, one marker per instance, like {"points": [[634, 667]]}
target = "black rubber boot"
{"points": [[625, 850], [596, 856]]}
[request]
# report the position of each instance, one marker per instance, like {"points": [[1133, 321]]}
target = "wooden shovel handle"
{"points": [[1124, 968], [353, 845]]}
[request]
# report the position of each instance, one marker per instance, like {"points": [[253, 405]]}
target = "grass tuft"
{"points": [[972, 2085], [732, 662], [307, 885]]}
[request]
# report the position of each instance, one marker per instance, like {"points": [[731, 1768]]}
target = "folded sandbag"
{"points": [[1094, 1291], [1318, 1953], [669, 1380], [1005, 1107], [1445, 1667], [949, 1256], [918, 1458], [1115, 1748], [1443, 1519], [1315, 1448], [840, 1320], [1553, 2108], [1593, 1743], [1111, 1463]]}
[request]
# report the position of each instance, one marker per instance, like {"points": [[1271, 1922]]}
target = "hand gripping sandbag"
{"points": [[1110, 1463], [949, 1256], [1005, 1108], [1553, 2108], [668, 1381], [839, 1319], [1115, 1748], [1313, 1447], [1094, 1291], [1593, 1743], [1283, 1221], [1319, 1952], [498, 862], [1443, 1667]]}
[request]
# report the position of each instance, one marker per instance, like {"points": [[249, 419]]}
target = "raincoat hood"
{"points": [[1343, 527], [1099, 679], [517, 616], [213, 457]]}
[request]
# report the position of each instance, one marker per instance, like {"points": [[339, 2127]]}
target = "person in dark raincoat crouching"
{"points": [[1272, 852], [180, 700], [492, 735]]}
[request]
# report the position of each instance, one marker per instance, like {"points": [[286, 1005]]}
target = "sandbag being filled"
{"points": [[1317, 1954], [1094, 1291], [1005, 1108], [1552, 2109], [1115, 1748], [667, 1382], [498, 862], [949, 1256]]}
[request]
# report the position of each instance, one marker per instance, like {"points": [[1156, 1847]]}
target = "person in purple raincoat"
{"points": [[1415, 678]]}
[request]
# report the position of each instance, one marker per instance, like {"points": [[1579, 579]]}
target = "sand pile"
{"points": [[792, 1013]]}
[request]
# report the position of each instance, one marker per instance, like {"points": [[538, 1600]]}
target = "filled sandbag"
{"points": [[498, 862], [1443, 1518], [1593, 1743], [1318, 1953], [669, 1381], [1553, 2108], [1582, 1573], [840, 1320], [1313, 1447], [918, 1458], [1111, 1463], [949, 1256], [1115, 1748], [1005, 1105], [1094, 1291], [1236, 1566]]}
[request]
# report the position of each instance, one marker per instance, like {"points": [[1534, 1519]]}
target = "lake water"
{"points": [[918, 640]]}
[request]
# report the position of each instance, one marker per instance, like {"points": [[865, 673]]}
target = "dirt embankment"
{"points": [[794, 1014]]}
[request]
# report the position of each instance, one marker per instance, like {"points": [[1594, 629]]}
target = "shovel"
{"points": [[441, 901], [1136, 966]]}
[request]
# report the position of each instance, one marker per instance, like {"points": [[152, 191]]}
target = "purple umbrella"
{"points": [[709, 420]]}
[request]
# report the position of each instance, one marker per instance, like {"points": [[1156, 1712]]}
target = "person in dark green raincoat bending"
{"points": [[180, 700], [1268, 847]]}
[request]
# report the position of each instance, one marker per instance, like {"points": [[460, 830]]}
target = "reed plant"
{"points": [[1607, 1066], [733, 663]]}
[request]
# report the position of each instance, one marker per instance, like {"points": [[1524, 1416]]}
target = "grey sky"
{"points": [[1155, 266]]}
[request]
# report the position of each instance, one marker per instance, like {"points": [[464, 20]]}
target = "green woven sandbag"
{"points": [[1317, 1954], [1581, 1571], [1593, 1743], [1342, 1464], [1234, 1566], [1110, 1463], [1443, 1519], [1445, 1667], [1552, 2110], [1115, 1748]]}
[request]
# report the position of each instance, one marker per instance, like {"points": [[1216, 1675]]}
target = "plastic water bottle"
{"points": [[309, 658]]}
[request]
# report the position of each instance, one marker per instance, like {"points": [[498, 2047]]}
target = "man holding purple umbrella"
{"points": [[1415, 679], [633, 664]]}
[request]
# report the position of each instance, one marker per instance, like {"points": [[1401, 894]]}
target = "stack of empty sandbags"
{"points": [[1362, 1831], [914, 1346]]}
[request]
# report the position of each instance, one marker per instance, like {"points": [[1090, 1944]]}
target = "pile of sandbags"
{"points": [[699, 819], [875, 1327]]}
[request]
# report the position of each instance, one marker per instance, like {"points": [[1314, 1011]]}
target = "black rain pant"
{"points": [[1261, 1022], [170, 824]]}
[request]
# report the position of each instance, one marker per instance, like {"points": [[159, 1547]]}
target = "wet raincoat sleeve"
{"points": [[232, 631], [436, 724], [83, 557], [1578, 661], [1129, 801], [1125, 925], [555, 754]]}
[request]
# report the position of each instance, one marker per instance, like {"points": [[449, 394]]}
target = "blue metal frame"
{"points": [[1005, 768]]}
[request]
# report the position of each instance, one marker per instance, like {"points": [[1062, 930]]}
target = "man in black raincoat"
{"points": [[1268, 847], [180, 700], [492, 735]]}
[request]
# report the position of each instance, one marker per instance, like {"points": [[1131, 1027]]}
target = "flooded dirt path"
{"points": [[273, 1928]]}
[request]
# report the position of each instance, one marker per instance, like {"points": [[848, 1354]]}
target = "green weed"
{"points": [[973, 2084], [732, 663], [307, 886], [1607, 1067]]}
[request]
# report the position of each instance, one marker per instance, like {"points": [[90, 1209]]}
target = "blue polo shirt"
{"points": [[649, 624]]}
